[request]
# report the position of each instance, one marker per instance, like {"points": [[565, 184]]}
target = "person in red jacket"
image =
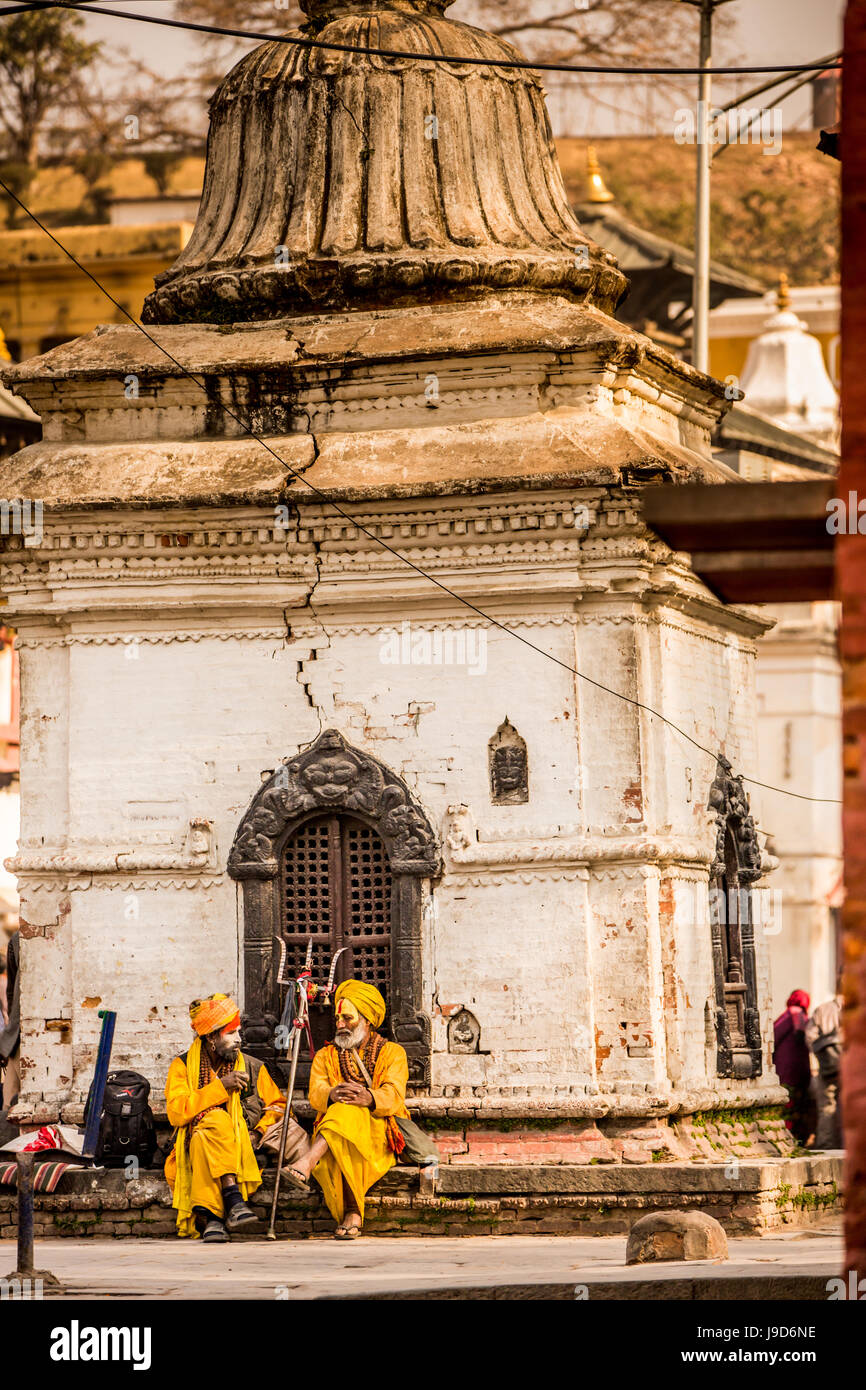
{"points": [[791, 1060]]}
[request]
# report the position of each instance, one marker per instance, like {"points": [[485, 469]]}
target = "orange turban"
{"points": [[217, 1012], [366, 999]]}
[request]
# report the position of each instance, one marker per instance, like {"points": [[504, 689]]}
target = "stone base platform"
{"points": [[497, 1198]]}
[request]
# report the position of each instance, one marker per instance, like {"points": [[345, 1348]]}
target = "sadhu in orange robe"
{"points": [[219, 1142], [357, 1138]]}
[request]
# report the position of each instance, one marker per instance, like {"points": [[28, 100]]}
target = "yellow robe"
{"points": [[220, 1142], [355, 1134]]}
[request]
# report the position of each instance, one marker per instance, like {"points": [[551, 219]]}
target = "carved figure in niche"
{"points": [[464, 1032], [736, 866], [509, 767]]}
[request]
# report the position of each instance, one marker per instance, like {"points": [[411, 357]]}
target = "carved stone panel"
{"points": [[332, 775], [464, 1032], [508, 762], [737, 864]]}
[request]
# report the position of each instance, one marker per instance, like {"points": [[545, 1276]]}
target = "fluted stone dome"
{"points": [[337, 179]]}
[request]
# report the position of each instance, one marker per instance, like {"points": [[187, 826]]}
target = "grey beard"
{"points": [[346, 1041]]}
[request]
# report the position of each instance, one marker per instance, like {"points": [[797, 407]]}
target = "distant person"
{"points": [[4, 1008], [824, 1036], [10, 1037], [791, 1060]]}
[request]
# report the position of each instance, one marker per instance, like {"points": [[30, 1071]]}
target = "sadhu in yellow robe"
{"points": [[357, 1136], [217, 1142]]}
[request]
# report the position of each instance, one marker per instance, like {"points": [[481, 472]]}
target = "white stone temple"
{"points": [[326, 685], [786, 379]]}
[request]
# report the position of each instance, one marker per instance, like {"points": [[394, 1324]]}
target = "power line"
{"points": [[456, 59], [377, 540]]}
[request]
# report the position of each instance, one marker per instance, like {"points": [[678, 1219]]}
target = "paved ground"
{"points": [[158, 1269]]}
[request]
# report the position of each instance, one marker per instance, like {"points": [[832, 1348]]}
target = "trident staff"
{"points": [[303, 989]]}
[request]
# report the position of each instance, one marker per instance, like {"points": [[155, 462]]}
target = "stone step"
{"points": [[767, 1194]]}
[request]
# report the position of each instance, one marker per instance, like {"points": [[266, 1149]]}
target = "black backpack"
{"points": [[127, 1125]]}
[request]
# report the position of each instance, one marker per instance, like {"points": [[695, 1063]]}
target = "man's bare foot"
{"points": [[296, 1178]]}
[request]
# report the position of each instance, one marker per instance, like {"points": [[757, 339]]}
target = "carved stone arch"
{"points": [[331, 777], [736, 866]]}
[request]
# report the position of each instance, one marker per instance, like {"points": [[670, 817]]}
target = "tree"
{"points": [[609, 31], [41, 55], [61, 104], [612, 32]]}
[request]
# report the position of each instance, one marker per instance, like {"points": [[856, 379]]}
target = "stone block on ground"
{"points": [[676, 1235]]}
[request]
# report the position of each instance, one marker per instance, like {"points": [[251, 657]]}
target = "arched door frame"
{"points": [[333, 776]]}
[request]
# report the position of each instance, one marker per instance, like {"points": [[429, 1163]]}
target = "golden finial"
{"points": [[783, 293], [596, 190]]}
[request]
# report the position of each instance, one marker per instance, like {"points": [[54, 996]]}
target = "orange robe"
{"points": [[355, 1134], [213, 1146]]}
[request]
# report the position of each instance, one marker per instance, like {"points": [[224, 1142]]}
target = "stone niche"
{"points": [[509, 767]]}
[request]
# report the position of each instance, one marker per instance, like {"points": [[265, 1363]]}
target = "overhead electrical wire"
{"points": [[378, 540], [453, 58]]}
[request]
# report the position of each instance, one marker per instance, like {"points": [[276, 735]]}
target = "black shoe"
{"points": [[239, 1215], [215, 1232]]}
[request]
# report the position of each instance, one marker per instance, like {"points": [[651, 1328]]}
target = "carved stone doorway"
{"points": [[334, 847]]}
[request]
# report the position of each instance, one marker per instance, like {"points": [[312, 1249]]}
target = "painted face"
{"points": [[347, 1016], [227, 1044]]}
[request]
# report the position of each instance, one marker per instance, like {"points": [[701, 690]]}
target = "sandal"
{"points": [[347, 1233], [296, 1180], [214, 1232], [239, 1215]]}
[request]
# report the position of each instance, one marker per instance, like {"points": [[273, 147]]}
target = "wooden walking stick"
{"points": [[299, 1023]]}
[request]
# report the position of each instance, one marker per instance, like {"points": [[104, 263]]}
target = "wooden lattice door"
{"points": [[335, 886]]}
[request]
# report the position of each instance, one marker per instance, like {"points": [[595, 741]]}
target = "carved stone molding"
{"points": [[125, 639], [59, 883], [469, 848], [370, 629], [508, 878], [145, 544], [196, 855]]}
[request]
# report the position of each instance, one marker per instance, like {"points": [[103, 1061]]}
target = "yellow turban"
{"points": [[207, 1015], [366, 999]]}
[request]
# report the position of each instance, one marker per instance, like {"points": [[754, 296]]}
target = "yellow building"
{"points": [[46, 300]]}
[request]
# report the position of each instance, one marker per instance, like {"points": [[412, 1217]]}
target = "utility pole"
{"points": [[703, 131], [701, 282]]}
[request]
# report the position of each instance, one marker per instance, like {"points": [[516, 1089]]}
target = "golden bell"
{"points": [[596, 189]]}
